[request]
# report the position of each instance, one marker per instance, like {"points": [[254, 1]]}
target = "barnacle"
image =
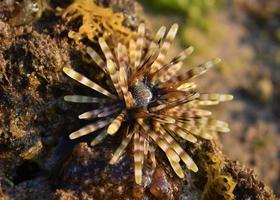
{"points": [[97, 22], [148, 101]]}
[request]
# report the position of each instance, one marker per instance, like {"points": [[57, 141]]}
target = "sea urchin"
{"points": [[150, 99]]}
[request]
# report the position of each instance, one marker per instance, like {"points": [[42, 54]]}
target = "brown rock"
{"points": [[162, 186]]}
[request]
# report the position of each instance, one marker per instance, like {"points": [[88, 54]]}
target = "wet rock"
{"points": [[131, 9], [162, 186], [21, 12], [90, 172], [38, 188], [30, 64]]}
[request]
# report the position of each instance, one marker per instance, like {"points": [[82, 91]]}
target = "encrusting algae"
{"points": [[96, 22], [148, 101]]}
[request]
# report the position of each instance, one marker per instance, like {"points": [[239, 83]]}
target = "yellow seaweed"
{"points": [[96, 22], [218, 184]]}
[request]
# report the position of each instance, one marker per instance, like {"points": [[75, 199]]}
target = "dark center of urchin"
{"points": [[142, 94]]}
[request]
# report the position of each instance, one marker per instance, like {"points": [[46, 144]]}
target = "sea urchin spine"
{"points": [[150, 99]]}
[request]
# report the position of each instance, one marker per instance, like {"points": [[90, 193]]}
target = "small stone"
{"points": [[162, 186]]}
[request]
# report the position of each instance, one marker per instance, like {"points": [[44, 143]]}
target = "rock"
{"points": [[162, 186]]}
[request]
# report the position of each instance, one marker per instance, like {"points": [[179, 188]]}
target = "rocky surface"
{"points": [[38, 161]]}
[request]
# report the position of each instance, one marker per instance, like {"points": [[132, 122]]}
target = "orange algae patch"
{"points": [[97, 22]]}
